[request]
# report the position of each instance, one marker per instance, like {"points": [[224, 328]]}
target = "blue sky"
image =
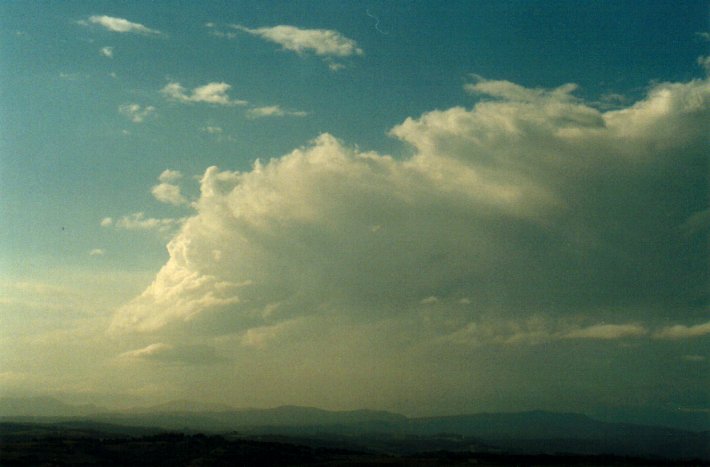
{"points": [[561, 226]]}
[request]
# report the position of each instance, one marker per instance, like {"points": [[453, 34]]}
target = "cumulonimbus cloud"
{"points": [[531, 203]]}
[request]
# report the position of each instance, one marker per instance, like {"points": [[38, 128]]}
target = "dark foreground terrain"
{"points": [[29, 444]]}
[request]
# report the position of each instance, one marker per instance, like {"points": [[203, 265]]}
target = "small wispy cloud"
{"points": [[536, 331], [97, 252], [167, 191], [274, 111], [681, 331], [334, 66], [325, 43], [211, 93], [169, 175], [71, 76], [215, 31], [135, 112], [151, 350], [138, 221], [606, 332], [217, 133], [160, 352], [213, 130], [120, 25], [169, 194]]}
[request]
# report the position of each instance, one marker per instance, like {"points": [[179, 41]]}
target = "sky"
{"points": [[425, 207]]}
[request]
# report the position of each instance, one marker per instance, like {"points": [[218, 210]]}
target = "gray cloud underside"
{"points": [[530, 217]]}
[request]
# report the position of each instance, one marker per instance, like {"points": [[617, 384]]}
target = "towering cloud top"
{"points": [[530, 205]]}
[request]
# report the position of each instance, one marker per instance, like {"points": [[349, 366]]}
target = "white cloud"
{"points": [[607, 331], [335, 66], [537, 330], [168, 192], [324, 42], [213, 31], [516, 93], [494, 331], [97, 252], [107, 52], [106, 222], [213, 130], [274, 111], [135, 112], [71, 76], [530, 204], [261, 336], [169, 353], [681, 331], [148, 351], [211, 93], [121, 25], [169, 175], [138, 221]]}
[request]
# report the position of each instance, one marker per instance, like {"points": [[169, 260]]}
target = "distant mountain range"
{"points": [[44, 407], [524, 432]]}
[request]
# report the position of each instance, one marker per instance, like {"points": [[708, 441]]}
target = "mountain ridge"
{"points": [[535, 431]]}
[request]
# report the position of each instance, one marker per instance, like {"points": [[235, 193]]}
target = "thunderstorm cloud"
{"points": [[530, 216]]}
